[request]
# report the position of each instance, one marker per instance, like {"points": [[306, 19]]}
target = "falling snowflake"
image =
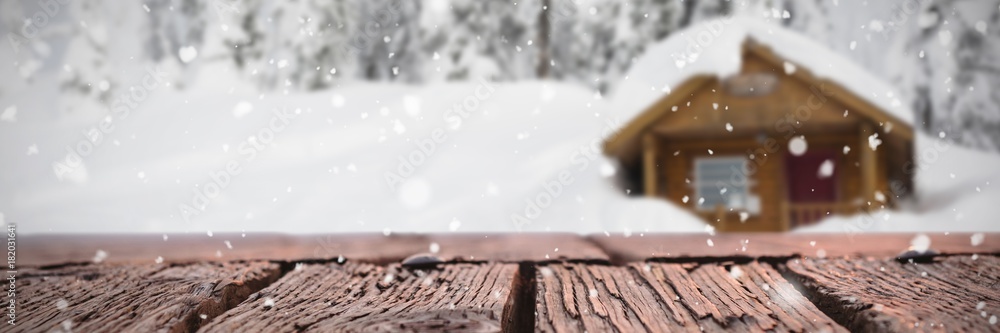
{"points": [[337, 101], [268, 302], [789, 68], [736, 272], [798, 145], [977, 238], [398, 127], [412, 105], [415, 193], [920, 243], [9, 114], [607, 170], [187, 53], [825, 169], [62, 304], [874, 141], [241, 109], [100, 256]]}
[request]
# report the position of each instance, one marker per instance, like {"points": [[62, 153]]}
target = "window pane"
{"points": [[712, 175]]}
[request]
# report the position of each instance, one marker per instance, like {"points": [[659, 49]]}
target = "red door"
{"points": [[810, 182]]}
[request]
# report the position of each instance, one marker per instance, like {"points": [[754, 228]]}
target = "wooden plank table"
{"points": [[506, 282]]}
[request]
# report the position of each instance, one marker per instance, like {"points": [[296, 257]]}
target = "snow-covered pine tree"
{"points": [[387, 41], [950, 72], [487, 39], [86, 72], [176, 31], [318, 54], [602, 38], [977, 55]]}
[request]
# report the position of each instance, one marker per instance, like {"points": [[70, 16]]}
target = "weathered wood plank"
{"points": [[42, 250], [754, 245], [958, 293], [138, 298], [516, 247], [663, 297], [365, 297]]}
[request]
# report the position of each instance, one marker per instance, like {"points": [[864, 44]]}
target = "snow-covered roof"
{"points": [[714, 48]]}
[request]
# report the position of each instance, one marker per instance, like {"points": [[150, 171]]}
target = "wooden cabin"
{"points": [[767, 149]]}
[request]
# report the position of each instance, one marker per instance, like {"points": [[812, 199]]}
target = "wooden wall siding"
{"points": [[136, 298], [768, 182], [951, 294], [705, 112], [762, 182], [658, 297], [650, 165]]}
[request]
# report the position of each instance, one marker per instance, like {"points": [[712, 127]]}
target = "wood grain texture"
{"points": [[138, 298], [663, 297], [953, 294], [753, 245], [517, 247], [42, 250], [364, 297]]}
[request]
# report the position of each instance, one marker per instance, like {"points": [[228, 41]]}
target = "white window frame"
{"points": [[747, 197]]}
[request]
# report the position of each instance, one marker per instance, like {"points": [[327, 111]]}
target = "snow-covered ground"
{"points": [[335, 166]]}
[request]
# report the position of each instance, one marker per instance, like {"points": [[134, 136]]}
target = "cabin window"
{"points": [[722, 181]]}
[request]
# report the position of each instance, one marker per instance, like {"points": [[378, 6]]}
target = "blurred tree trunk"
{"points": [[544, 31]]}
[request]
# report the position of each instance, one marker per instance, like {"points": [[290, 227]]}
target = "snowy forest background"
{"points": [[943, 55]]}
